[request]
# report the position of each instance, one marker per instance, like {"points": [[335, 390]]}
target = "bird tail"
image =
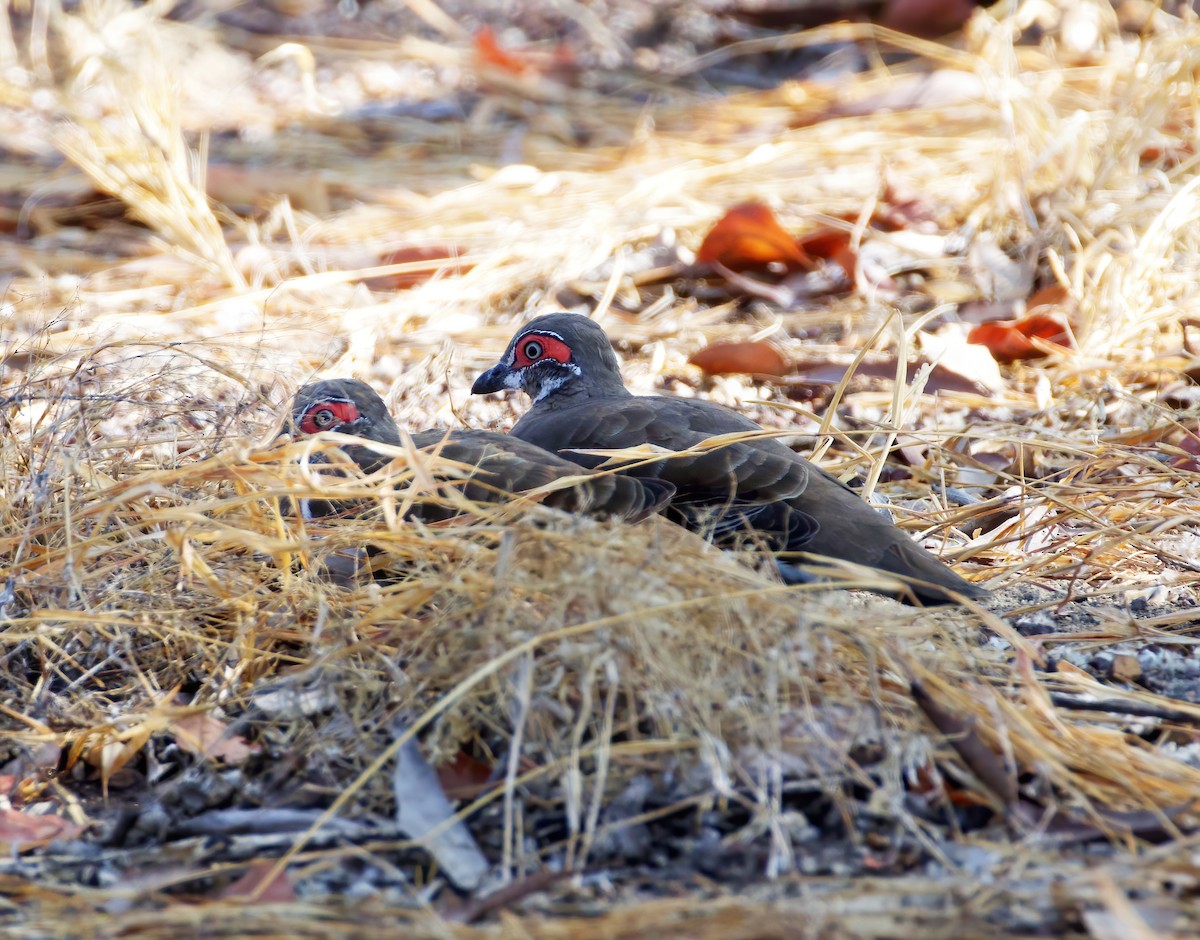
{"points": [[945, 587], [932, 581]]}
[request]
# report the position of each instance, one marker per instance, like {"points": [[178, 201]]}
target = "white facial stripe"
{"points": [[328, 401], [556, 382]]}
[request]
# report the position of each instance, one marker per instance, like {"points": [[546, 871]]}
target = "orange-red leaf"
{"points": [[757, 358], [749, 236], [21, 832], [1172, 146], [1009, 340], [426, 261], [830, 244], [488, 52]]}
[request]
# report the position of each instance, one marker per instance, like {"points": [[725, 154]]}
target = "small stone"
{"points": [[1125, 668]]}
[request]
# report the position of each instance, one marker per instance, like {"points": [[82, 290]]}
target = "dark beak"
{"points": [[490, 381]]}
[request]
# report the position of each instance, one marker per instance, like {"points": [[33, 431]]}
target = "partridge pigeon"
{"points": [[503, 465], [758, 487]]}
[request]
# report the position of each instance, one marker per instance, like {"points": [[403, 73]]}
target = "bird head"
{"points": [[555, 354], [347, 406]]}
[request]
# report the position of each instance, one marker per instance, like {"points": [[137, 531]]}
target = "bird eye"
{"points": [[324, 418], [533, 349]]}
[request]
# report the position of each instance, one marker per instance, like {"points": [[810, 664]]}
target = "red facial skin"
{"points": [[535, 347], [328, 416]]}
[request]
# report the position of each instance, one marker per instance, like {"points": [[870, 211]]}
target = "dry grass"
{"points": [[148, 568]]}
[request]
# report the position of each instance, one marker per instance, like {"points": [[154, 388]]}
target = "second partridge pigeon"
{"points": [[502, 465]]}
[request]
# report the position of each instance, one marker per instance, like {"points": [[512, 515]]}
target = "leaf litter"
{"points": [[657, 738]]}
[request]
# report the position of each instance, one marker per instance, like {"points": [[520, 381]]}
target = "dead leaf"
{"points": [[465, 777], [987, 766], [1189, 444], [488, 52], [278, 890], [754, 358], [912, 450], [1010, 340], [208, 736], [940, 378], [1052, 295], [950, 350], [830, 244], [427, 260], [22, 831], [425, 814], [749, 236], [993, 459]]}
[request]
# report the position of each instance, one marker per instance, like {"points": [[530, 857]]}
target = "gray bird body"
{"points": [[502, 466], [760, 485]]}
